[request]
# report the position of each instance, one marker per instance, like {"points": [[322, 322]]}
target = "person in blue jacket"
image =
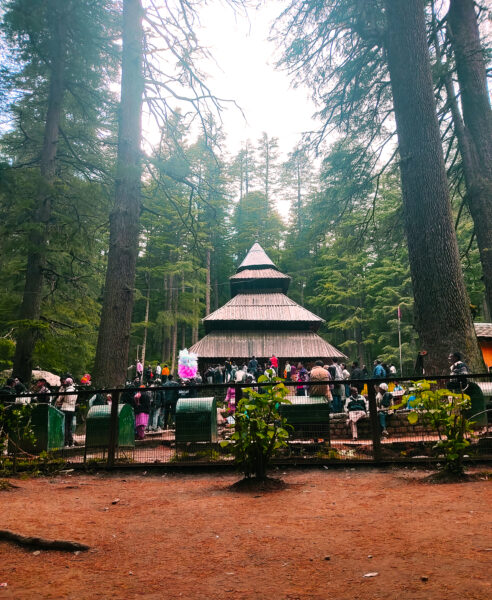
{"points": [[378, 372]]}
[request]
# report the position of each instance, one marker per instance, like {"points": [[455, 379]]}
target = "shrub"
{"points": [[15, 423], [260, 429], [444, 411]]}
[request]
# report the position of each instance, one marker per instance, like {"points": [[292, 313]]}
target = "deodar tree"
{"points": [[160, 49], [64, 52], [475, 132], [350, 54], [443, 319], [114, 329]]}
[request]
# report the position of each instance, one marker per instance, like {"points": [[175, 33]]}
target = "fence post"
{"points": [[113, 428], [238, 394], [373, 414]]}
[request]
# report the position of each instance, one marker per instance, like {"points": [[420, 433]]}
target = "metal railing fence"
{"points": [[190, 430]]}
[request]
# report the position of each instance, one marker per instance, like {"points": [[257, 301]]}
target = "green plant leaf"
{"points": [[413, 417]]}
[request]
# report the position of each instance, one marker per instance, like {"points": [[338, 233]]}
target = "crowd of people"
{"points": [[340, 386], [155, 409]]}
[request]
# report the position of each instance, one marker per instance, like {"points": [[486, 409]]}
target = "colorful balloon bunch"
{"points": [[187, 364]]}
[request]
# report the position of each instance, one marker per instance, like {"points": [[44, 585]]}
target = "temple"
{"points": [[261, 320]]}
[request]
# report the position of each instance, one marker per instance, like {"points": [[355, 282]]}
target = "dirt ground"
{"points": [[188, 536]]}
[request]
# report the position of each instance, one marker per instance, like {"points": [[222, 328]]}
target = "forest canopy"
{"points": [[113, 248]]}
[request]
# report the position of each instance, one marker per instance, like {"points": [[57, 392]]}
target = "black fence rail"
{"points": [[186, 424]]}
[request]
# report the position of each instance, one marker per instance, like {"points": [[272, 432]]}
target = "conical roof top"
{"points": [[258, 273], [256, 258]]}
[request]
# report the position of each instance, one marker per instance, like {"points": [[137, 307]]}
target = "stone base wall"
{"points": [[397, 424]]}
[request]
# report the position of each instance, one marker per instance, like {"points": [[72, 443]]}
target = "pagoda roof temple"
{"points": [[261, 320]]}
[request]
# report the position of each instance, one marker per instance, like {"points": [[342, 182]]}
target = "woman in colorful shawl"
{"points": [[141, 406], [302, 375], [231, 399]]}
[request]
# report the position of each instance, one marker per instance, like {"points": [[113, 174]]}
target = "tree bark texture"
{"points": [[175, 335], [215, 272], [196, 300], [166, 344], [477, 130], [478, 190], [165, 328], [114, 331], [442, 316], [207, 288], [146, 326], [33, 289]]}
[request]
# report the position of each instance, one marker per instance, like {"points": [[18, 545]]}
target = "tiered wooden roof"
{"points": [[258, 273], [296, 345], [247, 311], [260, 319]]}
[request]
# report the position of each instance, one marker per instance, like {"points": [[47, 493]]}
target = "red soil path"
{"points": [[188, 536]]}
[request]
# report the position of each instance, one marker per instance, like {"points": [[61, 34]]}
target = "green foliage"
{"points": [[7, 348], [47, 463], [353, 262], [78, 193], [185, 220], [260, 429], [345, 247], [444, 411], [254, 219], [15, 424]]}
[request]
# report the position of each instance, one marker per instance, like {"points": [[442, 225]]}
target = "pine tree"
{"points": [[266, 164], [475, 132], [443, 320], [255, 221], [65, 51], [114, 330]]}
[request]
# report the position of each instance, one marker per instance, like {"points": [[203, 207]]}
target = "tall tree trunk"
{"points": [[174, 331], [477, 116], [167, 345], [267, 172], [194, 328], [442, 315], [486, 312], [215, 272], [207, 288], [299, 196], [146, 321], [114, 331], [30, 310], [241, 180], [216, 291], [246, 170], [165, 328]]}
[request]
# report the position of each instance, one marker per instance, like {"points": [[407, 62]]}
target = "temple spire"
{"points": [[256, 258]]}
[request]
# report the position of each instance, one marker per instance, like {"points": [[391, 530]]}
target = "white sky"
{"points": [[245, 73]]}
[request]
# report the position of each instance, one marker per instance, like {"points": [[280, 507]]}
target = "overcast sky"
{"points": [[245, 72]]}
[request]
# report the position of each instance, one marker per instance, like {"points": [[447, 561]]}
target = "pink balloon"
{"points": [[186, 372]]}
